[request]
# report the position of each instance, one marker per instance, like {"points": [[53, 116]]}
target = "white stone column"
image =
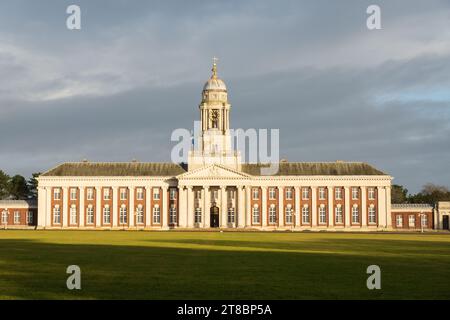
{"points": [[248, 205], [241, 206], [115, 195], [82, 210], [363, 207], [264, 206], [148, 213], [42, 207], [132, 208], [190, 207], [381, 208], [206, 207], [314, 206], [182, 207], [388, 207], [280, 207], [48, 207], [347, 206], [165, 208], [98, 206], [65, 206], [224, 206], [330, 206], [297, 220]]}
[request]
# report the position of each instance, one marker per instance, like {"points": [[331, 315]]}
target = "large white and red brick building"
{"points": [[216, 190]]}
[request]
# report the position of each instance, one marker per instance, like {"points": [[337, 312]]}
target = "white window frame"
{"points": [[156, 193], [289, 214], [90, 215], [272, 214], [107, 194], [372, 212], [256, 215], [322, 195], [255, 193], [139, 193], [305, 193], [123, 194], [355, 193], [198, 215], [90, 194], [156, 215], [339, 215], [413, 220], [355, 215], [73, 194], [123, 214], [306, 218], [338, 193], [16, 217], [231, 216], [73, 215], [56, 215], [30, 217], [399, 221], [172, 194], [322, 215], [106, 214], [289, 193], [272, 193], [173, 214], [371, 193], [57, 194]]}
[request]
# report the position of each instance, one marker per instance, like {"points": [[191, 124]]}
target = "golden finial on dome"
{"points": [[214, 68]]}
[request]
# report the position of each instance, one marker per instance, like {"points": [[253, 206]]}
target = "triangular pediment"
{"points": [[214, 171]]}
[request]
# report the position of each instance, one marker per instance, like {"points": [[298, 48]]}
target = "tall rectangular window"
{"points": [[338, 193], [322, 194], [90, 215], [198, 215], [156, 215], [173, 194], [272, 214], [73, 214], [16, 217], [256, 215], [412, 221], [57, 194], [399, 221], [355, 214], [231, 215], [123, 194], [255, 192], [106, 194], [140, 214], [305, 215], [106, 215], [272, 194], [289, 193], [173, 214], [371, 193], [140, 194], [156, 194], [355, 193], [90, 194], [322, 215], [73, 194], [289, 214], [339, 215], [123, 216], [305, 193], [424, 220], [372, 215], [56, 215], [30, 217]]}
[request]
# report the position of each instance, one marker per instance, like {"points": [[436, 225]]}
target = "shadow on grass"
{"points": [[32, 269]]}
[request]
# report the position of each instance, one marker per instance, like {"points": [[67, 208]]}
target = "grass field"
{"points": [[206, 265]]}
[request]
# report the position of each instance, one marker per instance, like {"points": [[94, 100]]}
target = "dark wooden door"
{"points": [[445, 223], [214, 219]]}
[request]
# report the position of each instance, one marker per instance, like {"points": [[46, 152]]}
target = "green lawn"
{"points": [[206, 265]]}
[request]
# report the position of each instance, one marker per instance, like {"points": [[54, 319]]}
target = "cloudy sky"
{"points": [[116, 89]]}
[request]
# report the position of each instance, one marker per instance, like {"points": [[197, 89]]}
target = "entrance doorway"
{"points": [[214, 218], [445, 223]]}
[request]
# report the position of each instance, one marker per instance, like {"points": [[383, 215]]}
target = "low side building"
{"points": [[18, 213]]}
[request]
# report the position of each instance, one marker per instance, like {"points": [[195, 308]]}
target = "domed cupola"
{"points": [[214, 89]]}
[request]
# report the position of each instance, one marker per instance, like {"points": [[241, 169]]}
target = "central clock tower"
{"points": [[214, 144]]}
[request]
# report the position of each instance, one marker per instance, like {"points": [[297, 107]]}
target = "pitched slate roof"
{"points": [[114, 169], [130, 169], [18, 203], [317, 169]]}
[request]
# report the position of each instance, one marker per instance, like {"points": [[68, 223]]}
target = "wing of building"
{"points": [[215, 189]]}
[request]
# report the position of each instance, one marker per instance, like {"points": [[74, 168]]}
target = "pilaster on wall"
{"points": [[297, 216], [65, 209], [264, 206], [81, 209], [148, 208], [132, 207], [347, 206], [183, 207], [115, 211], [280, 208], [98, 206], [223, 209], [165, 207], [207, 207], [241, 205], [330, 206], [314, 206], [363, 206]]}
